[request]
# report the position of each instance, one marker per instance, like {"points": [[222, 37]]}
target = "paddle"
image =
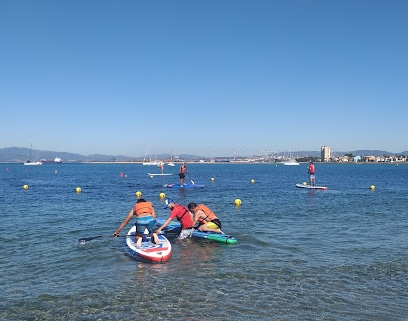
{"points": [[87, 239], [192, 182]]}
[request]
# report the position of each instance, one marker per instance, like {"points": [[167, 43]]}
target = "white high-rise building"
{"points": [[325, 154]]}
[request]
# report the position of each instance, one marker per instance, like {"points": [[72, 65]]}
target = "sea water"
{"points": [[339, 254]]}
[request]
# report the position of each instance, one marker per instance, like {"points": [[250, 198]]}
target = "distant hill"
{"points": [[361, 152], [20, 155], [375, 152]]}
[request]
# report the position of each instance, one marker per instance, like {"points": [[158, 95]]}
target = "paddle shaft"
{"points": [[87, 239], [192, 182]]}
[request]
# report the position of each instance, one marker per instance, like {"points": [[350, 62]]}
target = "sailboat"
{"points": [[29, 161], [171, 157], [156, 163], [290, 160]]}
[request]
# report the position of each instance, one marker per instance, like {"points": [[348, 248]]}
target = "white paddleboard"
{"points": [[311, 187], [150, 174]]}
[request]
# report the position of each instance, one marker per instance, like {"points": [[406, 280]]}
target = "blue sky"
{"points": [[203, 77]]}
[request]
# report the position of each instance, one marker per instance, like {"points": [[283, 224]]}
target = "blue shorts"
{"points": [[312, 176], [145, 222]]}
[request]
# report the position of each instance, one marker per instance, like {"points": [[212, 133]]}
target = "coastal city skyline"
{"points": [[204, 78], [21, 154], [232, 153]]}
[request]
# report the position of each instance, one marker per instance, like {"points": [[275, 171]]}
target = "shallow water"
{"points": [[339, 254]]}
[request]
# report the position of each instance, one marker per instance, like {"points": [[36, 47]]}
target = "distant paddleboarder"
{"points": [[311, 170], [182, 173], [161, 167]]}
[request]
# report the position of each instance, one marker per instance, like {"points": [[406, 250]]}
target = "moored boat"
{"points": [[29, 161], [290, 162]]}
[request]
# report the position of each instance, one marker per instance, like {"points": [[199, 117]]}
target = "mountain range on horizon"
{"points": [[21, 154]]}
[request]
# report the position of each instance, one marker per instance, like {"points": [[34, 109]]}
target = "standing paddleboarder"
{"points": [[182, 173], [311, 170]]}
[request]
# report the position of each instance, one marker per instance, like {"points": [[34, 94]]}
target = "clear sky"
{"points": [[203, 77]]}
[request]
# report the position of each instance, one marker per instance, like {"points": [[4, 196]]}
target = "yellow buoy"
{"points": [[237, 202], [304, 183], [78, 190], [162, 195], [25, 186], [212, 178], [252, 181], [138, 194], [372, 187]]}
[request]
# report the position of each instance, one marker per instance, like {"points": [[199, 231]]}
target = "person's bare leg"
{"points": [[155, 238], [138, 240]]}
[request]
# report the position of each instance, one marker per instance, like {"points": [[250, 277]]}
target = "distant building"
{"points": [[369, 158], [344, 159], [357, 159], [325, 154]]}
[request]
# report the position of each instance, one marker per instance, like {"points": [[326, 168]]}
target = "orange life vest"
{"points": [[210, 214], [143, 207]]}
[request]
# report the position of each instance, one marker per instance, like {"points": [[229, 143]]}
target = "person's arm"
{"points": [[125, 221], [196, 216], [163, 225]]}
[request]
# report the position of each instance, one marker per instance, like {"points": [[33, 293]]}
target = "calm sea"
{"points": [[340, 254]]}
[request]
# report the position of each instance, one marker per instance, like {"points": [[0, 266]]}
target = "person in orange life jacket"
{"points": [[183, 215], [145, 218], [311, 170], [182, 173], [208, 221]]}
